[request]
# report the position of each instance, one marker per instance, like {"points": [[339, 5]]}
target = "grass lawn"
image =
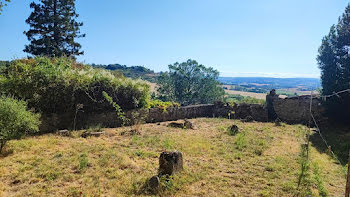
{"points": [[261, 160]]}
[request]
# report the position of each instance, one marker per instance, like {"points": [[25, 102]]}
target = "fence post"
{"points": [[347, 187]]}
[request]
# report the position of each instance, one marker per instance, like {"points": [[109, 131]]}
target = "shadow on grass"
{"points": [[337, 137]]}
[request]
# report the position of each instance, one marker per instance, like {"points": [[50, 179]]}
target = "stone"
{"points": [[233, 130], [64, 132], [278, 122], [154, 182], [176, 125], [188, 124], [249, 119], [131, 132], [94, 134], [170, 163]]}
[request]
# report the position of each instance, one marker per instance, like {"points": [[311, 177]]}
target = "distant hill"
{"points": [[303, 84], [131, 71]]}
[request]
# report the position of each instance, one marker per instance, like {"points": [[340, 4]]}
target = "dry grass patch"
{"points": [[261, 160]]}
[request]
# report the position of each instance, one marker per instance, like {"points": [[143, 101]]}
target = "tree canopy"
{"points": [[53, 29], [334, 62], [190, 83]]}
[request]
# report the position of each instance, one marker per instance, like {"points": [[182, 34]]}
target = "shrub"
{"points": [[162, 105], [15, 120], [57, 85]]}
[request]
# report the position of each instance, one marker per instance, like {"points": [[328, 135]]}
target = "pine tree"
{"points": [[334, 62], [328, 63], [53, 29], [343, 46]]}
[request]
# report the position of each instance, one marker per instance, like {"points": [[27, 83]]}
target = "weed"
{"points": [[241, 141], [319, 182], [83, 162]]}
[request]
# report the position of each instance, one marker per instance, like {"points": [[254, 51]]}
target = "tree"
{"points": [[328, 63], [190, 83], [3, 3], [334, 62], [53, 29]]}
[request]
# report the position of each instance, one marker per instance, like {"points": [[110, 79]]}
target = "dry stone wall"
{"points": [[293, 110]]}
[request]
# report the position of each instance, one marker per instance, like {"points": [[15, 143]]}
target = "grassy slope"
{"points": [[260, 161]]}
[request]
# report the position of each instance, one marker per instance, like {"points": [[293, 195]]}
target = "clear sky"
{"points": [[277, 38]]}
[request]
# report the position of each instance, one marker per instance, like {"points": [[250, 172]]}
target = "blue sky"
{"points": [[272, 38]]}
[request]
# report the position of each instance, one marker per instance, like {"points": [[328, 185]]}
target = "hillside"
{"points": [[262, 160], [273, 83]]}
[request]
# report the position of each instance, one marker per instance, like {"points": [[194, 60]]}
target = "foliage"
{"points": [[190, 83], [133, 72], [236, 98], [15, 120], [3, 65], [117, 108], [162, 105], [58, 85], [334, 62], [53, 29], [3, 3]]}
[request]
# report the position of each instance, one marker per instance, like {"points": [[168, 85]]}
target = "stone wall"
{"points": [[293, 110], [296, 110]]}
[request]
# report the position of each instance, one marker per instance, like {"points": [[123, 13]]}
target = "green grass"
{"points": [[261, 160]]}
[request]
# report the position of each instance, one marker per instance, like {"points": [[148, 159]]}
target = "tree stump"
{"points": [[170, 163]]}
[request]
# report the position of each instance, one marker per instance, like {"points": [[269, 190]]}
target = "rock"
{"points": [[95, 134], [170, 163], [248, 119], [154, 182], [176, 125], [233, 130], [64, 132], [188, 124], [278, 122]]}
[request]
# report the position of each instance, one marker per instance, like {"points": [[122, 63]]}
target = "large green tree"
{"points": [[53, 29], [334, 62], [190, 83]]}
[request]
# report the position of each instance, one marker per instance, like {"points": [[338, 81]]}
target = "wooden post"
{"points": [[347, 188]]}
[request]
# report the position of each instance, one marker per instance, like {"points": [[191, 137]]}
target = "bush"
{"points": [[162, 104], [58, 85], [15, 120]]}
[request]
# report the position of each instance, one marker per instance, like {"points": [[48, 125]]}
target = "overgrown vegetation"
{"points": [[15, 120], [162, 104], [58, 85]]}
